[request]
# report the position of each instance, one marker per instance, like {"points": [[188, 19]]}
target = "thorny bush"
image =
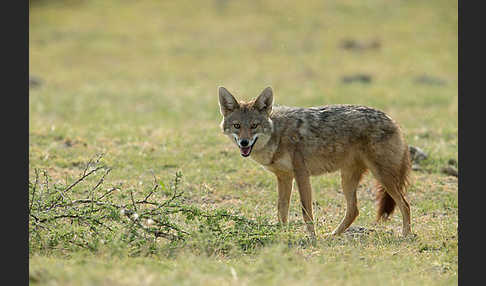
{"points": [[81, 215]]}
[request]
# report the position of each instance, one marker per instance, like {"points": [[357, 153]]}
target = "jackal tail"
{"points": [[385, 203]]}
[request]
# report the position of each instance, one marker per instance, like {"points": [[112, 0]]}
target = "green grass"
{"points": [[137, 81]]}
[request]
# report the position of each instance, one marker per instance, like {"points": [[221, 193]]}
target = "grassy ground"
{"points": [[137, 80]]}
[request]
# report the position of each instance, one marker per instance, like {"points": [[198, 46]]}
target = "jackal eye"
{"points": [[254, 125], [237, 126]]}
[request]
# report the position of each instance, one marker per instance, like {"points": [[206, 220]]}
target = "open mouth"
{"points": [[245, 151]]}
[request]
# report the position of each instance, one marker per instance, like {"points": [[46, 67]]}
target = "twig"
{"points": [[85, 245], [34, 189], [59, 216], [89, 201], [91, 161], [133, 201], [151, 192], [61, 193], [108, 192], [84, 176], [36, 218], [46, 179], [102, 179], [159, 233]]}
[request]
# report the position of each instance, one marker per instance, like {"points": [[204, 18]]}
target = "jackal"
{"points": [[297, 143]]}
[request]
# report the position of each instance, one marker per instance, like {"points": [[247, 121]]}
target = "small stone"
{"points": [[416, 167], [358, 230], [452, 162], [416, 154], [354, 45], [363, 78], [429, 80], [34, 81], [450, 170]]}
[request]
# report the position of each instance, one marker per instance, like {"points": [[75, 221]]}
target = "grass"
{"points": [[137, 80]]}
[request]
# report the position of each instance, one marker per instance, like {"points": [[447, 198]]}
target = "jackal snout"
{"points": [[244, 142]]}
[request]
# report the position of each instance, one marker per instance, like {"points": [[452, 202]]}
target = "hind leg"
{"points": [[404, 207], [350, 178], [389, 162], [394, 188]]}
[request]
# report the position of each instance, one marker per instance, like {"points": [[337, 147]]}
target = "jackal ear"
{"points": [[264, 101], [227, 102]]}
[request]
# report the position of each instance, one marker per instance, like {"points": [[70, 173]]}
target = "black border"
{"points": [[471, 126], [14, 23]]}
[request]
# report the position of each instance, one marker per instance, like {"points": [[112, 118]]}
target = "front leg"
{"points": [[284, 187], [302, 177]]}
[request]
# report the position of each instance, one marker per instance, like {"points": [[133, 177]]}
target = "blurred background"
{"points": [[122, 71]]}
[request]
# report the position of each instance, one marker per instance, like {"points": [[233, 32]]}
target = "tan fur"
{"points": [[297, 143]]}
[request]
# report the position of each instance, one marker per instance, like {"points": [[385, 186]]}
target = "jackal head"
{"points": [[248, 124]]}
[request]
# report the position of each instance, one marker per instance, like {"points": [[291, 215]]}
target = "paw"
{"points": [[312, 235], [409, 235], [331, 234]]}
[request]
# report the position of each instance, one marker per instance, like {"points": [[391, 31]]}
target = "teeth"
{"points": [[245, 150]]}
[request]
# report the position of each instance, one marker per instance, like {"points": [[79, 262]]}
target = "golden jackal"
{"points": [[296, 143]]}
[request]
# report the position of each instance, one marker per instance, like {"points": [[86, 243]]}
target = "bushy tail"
{"points": [[384, 201]]}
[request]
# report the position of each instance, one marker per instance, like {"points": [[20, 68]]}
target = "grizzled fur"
{"points": [[296, 143]]}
